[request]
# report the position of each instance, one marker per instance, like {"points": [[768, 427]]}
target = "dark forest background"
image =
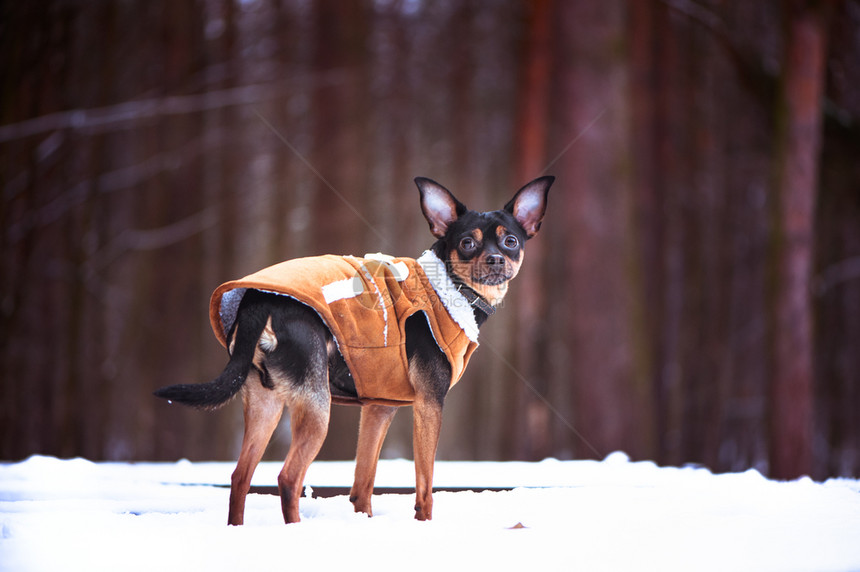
{"points": [[693, 297]]}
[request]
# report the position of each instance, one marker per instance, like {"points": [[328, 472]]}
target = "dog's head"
{"points": [[483, 250]]}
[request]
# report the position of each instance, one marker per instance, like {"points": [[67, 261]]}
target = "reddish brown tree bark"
{"points": [[532, 436], [796, 182], [597, 246], [339, 159]]}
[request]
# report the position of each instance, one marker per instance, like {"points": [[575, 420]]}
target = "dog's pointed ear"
{"points": [[529, 204], [439, 206]]}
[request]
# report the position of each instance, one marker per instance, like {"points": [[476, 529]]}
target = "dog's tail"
{"points": [[220, 390]]}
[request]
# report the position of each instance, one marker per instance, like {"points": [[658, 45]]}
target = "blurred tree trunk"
{"points": [[339, 209], [223, 189], [647, 222], [796, 161], [611, 394], [531, 433], [837, 284], [339, 110], [87, 235], [285, 27], [32, 317]]}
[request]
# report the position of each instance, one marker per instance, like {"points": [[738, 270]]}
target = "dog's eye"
{"points": [[468, 244], [511, 241]]}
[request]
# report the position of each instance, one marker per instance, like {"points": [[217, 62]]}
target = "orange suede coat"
{"points": [[365, 303]]}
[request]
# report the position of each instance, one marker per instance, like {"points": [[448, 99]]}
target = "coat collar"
{"points": [[458, 305]]}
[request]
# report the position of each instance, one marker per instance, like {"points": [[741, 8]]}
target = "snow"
{"points": [[575, 515]]}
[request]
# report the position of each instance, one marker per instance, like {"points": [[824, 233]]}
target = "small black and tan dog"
{"points": [[378, 331]]}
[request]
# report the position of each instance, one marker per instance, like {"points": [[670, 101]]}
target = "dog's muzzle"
{"points": [[492, 275]]}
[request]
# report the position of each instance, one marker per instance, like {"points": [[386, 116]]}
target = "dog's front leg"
{"points": [[375, 421], [427, 417]]}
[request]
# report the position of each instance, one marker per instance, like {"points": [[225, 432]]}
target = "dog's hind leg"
{"points": [[309, 420], [263, 409], [375, 421]]}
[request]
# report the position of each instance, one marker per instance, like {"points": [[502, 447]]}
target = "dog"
{"points": [[377, 331]]}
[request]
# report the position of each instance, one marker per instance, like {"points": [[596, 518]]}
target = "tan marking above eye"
{"points": [[503, 235]]}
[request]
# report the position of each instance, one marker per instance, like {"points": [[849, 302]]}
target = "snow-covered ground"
{"points": [[574, 515]]}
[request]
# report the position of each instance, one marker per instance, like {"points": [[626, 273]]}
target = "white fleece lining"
{"points": [[230, 301], [340, 290], [230, 307], [456, 304]]}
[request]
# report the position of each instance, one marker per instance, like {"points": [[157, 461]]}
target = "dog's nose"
{"points": [[494, 259]]}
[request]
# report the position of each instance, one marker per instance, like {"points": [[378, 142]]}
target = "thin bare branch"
{"points": [[104, 118]]}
